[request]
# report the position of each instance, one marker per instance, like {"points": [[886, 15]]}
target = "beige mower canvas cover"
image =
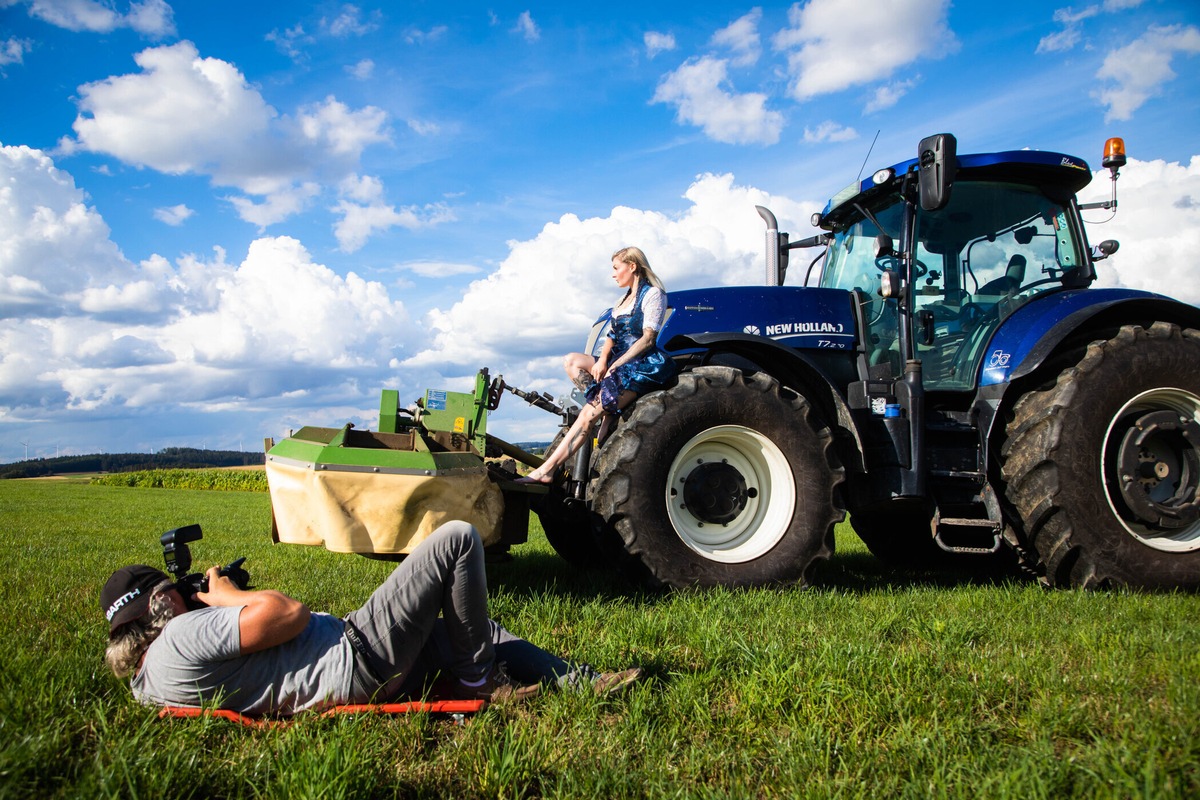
{"points": [[378, 512]]}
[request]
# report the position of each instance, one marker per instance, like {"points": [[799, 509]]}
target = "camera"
{"points": [[179, 561]]}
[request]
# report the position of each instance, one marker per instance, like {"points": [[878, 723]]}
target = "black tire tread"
{"points": [[1034, 476], [646, 563]]}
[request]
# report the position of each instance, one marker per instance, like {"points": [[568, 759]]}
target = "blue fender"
{"points": [[793, 368], [786, 331], [1030, 336], [1026, 338]]}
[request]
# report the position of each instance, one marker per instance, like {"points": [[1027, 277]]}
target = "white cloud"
{"points": [[741, 38], [279, 306], [152, 18], [1065, 39], [181, 114], [173, 215], [291, 41], [362, 70], [423, 127], [1069, 36], [888, 95], [52, 244], [1070, 19], [541, 301], [829, 131], [698, 91], [84, 328], [658, 43], [184, 114], [332, 125], [187, 114], [1157, 224], [418, 36], [439, 269], [349, 22], [1139, 69], [527, 27], [139, 296], [13, 50], [277, 205], [362, 189], [835, 44], [364, 212]]}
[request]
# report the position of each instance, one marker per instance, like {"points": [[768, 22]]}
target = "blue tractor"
{"points": [[953, 383]]}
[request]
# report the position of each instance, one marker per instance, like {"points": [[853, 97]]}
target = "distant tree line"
{"points": [[167, 458]]}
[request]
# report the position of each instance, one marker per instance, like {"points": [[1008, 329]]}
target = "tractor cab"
{"points": [[1005, 234]]}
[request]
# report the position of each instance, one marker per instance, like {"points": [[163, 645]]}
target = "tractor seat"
{"points": [[1010, 281]]}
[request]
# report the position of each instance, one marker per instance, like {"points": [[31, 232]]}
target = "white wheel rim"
{"points": [[767, 515], [1187, 538]]}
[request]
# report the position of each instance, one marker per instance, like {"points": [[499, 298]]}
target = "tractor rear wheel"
{"points": [[723, 479], [1104, 466]]}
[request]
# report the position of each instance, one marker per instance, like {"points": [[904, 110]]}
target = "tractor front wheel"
{"points": [[723, 479]]}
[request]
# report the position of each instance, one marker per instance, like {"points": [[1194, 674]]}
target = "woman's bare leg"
{"points": [[575, 437], [578, 367], [608, 421]]}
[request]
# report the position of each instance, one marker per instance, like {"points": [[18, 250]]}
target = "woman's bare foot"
{"points": [[534, 477]]}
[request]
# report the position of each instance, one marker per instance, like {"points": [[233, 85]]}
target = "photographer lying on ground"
{"points": [[262, 652]]}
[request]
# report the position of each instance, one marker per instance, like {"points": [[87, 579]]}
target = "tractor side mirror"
{"points": [[1105, 249], [936, 165]]}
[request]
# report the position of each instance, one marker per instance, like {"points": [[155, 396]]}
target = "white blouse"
{"points": [[653, 308]]}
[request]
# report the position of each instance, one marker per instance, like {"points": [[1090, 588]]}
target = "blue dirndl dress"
{"points": [[648, 371]]}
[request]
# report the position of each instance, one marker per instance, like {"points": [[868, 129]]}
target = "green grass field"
{"points": [[872, 683]]}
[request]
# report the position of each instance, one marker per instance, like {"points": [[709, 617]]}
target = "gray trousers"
{"points": [[430, 615]]}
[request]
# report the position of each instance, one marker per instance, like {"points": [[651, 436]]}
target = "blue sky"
{"points": [[222, 221]]}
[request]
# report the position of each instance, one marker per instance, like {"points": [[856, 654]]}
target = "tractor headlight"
{"points": [[889, 284]]}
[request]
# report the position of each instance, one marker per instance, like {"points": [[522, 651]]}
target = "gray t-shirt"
{"points": [[197, 660]]}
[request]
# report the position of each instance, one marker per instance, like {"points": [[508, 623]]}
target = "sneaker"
{"points": [[614, 682], [497, 687]]}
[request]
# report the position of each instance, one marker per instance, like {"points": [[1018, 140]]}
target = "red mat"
{"points": [[431, 707]]}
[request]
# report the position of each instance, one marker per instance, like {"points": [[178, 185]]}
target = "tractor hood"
{"points": [[799, 317]]}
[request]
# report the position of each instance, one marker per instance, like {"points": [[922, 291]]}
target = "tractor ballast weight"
{"points": [[382, 492]]}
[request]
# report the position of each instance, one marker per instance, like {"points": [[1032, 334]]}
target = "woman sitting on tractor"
{"points": [[630, 361]]}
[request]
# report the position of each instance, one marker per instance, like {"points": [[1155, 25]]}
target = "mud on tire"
{"points": [[1104, 466], [722, 479]]}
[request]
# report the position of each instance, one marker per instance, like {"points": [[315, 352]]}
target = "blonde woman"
{"points": [[630, 361]]}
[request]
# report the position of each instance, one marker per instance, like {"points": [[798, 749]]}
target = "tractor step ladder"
{"points": [[971, 536]]}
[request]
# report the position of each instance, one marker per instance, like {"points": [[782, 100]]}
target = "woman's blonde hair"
{"points": [[641, 266]]}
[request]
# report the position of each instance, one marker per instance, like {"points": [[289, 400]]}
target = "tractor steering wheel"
{"points": [[884, 263]]}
